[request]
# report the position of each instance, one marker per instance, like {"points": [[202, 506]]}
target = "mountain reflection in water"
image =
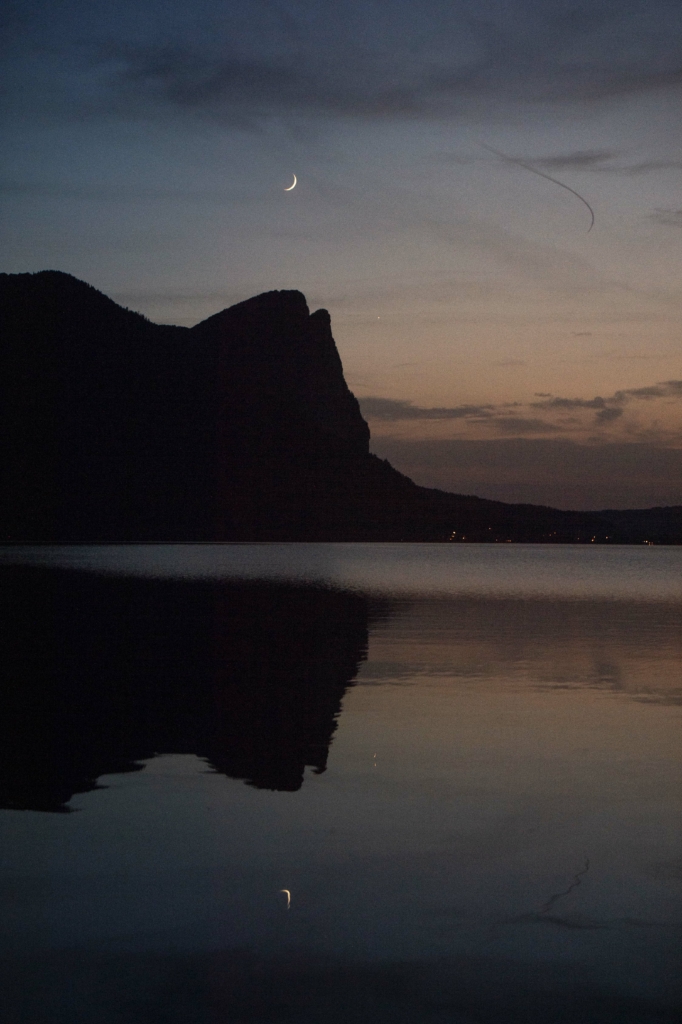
{"points": [[104, 671], [497, 837]]}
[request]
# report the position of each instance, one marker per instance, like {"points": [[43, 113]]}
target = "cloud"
{"points": [[121, 194], [608, 415], [608, 410], [643, 167], [519, 425], [243, 62], [630, 82], [495, 417], [665, 389], [580, 159], [246, 87], [671, 218], [601, 161], [389, 409], [594, 161], [551, 402], [352, 83]]}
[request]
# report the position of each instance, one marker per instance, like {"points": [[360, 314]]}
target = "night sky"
{"points": [[497, 345]]}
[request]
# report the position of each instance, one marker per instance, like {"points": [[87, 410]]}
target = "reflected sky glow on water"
{"points": [[487, 828], [516, 570]]}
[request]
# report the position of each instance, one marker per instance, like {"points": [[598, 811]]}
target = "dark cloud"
{"points": [[608, 415], [548, 471], [671, 218], [519, 425], [121, 194], [184, 77], [602, 161], [246, 61], [596, 161], [376, 408], [580, 160], [498, 417], [643, 167], [569, 403], [626, 83], [353, 86], [665, 389]]}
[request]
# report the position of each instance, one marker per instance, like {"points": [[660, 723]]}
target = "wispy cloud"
{"points": [[393, 410], [520, 425], [592, 161], [666, 389], [355, 60], [607, 410], [610, 408], [554, 402], [608, 415], [580, 160], [352, 84], [671, 218], [495, 417], [121, 194], [603, 162]]}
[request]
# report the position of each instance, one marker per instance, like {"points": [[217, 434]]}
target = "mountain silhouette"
{"points": [[101, 672], [116, 429]]}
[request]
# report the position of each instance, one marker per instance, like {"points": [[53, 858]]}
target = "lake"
{"points": [[312, 783]]}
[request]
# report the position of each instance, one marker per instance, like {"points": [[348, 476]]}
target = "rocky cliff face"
{"points": [[117, 428], [275, 360]]}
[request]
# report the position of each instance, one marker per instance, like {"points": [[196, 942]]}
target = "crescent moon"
{"points": [[291, 186]]}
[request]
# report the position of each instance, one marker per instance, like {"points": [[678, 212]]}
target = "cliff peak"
{"points": [[274, 306]]}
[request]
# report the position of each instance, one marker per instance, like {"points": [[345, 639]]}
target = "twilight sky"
{"points": [[497, 346]]}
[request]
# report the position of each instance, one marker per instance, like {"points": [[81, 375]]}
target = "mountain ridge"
{"points": [[116, 429]]}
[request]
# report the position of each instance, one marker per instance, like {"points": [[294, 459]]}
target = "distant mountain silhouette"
{"points": [[102, 672], [240, 428]]}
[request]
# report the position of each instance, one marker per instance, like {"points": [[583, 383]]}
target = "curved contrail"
{"points": [[528, 167]]}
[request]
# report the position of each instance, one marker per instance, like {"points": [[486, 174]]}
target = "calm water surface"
{"points": [[312, 783]]}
